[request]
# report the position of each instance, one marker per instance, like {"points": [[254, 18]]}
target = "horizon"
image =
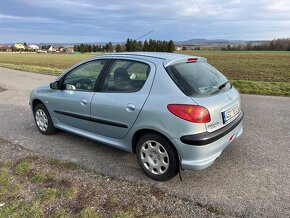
{"points": [[72, 21], [75, 43]]}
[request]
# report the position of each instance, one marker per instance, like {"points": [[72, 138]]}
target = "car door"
{"points": [[122, 94], [72, 104]]}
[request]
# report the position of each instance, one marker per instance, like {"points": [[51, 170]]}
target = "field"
{"points": [[266, 73]]}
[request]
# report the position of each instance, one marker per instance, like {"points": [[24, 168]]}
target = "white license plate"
{"points": [[229, 114]]}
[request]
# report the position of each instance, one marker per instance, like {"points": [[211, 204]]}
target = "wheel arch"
{"points": [[35, 102], [137, 135]]}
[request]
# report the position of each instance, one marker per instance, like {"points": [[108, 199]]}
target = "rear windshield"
{"points": [[198, 78]]}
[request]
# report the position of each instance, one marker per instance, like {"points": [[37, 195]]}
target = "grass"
{"points": [[264, 73], [2, 89], [262, 88], [44, 187]]}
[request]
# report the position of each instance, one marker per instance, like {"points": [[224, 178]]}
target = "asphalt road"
{"points": [[251, 178]]}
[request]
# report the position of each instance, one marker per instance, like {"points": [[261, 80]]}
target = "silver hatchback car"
{"points": [[174, 111]]}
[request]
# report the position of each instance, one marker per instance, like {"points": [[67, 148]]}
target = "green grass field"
{"points": [[266, 73]]}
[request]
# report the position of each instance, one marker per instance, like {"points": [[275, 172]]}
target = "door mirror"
{"points": [[54, 85]]}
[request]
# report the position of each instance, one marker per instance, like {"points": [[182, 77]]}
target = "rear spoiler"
{"points": [[184, 60]]}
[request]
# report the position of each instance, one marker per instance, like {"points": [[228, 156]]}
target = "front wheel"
{"points": [[43, 120], [157, 157]]}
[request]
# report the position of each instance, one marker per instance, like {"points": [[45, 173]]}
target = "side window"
{"points": [[83, 78], [126, 76]]}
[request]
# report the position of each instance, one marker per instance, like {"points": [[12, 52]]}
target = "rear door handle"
{"points": [[130, 107], [84, 102]]}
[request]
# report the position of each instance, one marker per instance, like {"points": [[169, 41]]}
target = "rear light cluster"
{"points": [[190, 60], [191, 113]]}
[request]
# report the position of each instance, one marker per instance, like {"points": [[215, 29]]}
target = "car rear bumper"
{"points": [[209, 137], [198, 157]]}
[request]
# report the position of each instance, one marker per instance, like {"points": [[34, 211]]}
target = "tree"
{"points": [[109, 47], [146, 46], [171, 46], [128, 45], [118, 48]]}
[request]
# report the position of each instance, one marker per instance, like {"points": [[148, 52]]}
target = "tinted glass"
{"points": [[83, 78], [199, 78], [126, 76]]}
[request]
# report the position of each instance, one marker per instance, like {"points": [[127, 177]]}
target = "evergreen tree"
{"points": [[171, 46], [118, 48], [146, 46]]}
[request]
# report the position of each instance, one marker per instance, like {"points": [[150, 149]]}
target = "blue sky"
{"points": [[113, 20]]}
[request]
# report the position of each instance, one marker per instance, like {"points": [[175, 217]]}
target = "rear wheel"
{"points": [[43, 120], [157, 157]]}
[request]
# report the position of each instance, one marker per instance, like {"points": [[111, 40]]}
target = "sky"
{"points": [[114, 20]]}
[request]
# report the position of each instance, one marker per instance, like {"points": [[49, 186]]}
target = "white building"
{"points": [[51, 49], [33, 47]]}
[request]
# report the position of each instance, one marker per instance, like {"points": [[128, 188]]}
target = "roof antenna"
{"points": [[144, 35]]}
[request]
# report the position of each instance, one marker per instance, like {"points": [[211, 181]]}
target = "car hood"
{"points": [[44, 86]]}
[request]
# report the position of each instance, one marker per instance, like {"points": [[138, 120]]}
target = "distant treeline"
{"points": [[151, 45], [93, 48], [130, 45], [276, 45]]}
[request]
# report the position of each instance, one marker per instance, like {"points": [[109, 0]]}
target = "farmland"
{"points": [[251, 72]]}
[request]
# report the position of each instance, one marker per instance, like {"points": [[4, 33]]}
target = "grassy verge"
{"points": [[34, 69], [2, 89], [37, 186], [262, 88]]}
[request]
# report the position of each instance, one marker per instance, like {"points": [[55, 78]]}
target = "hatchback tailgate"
{"points": [[223, 107]]}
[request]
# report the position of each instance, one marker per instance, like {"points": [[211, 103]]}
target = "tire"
{"points": [[43, 120], [157, 157]]}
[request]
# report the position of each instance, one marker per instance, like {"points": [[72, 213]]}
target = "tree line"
{"points": [[151, 45], [130, 45], [273, 45]]}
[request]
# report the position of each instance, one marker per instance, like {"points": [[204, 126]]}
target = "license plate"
{"points": [[231, 113]]}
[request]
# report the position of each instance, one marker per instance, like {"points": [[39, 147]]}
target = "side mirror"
{"points": [[54, 85]]}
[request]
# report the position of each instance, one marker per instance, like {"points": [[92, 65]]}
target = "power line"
{"points": [[145, 34]]}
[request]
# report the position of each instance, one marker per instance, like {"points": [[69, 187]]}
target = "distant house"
{"points": [[69, 50], [5, 48], [178, 47], [51, 49], [19, 46], [33, 47]]}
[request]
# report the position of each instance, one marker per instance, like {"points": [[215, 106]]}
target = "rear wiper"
{"points": [[224, 84]]}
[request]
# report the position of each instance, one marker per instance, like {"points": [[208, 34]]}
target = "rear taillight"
{"points": [[191, 113], [190, 60]]}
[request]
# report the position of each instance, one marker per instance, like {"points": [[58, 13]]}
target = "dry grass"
{"points": [[2, 89], [43, 187]]}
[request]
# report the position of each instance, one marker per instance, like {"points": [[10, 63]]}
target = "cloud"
{"points": [[13, 18], [116, 20]]}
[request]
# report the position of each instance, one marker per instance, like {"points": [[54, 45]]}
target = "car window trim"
{"points": [[61, 80], [100, 86]]}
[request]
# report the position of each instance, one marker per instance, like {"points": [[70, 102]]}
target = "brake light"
{"points": [[190, 60], [191, 113]]}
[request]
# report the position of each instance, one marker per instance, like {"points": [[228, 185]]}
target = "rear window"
{"points": [[198, 79]]}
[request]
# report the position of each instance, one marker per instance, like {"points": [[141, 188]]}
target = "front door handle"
{"points": [[130, 107], [84, 102]]}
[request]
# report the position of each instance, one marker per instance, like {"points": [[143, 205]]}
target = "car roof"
{"points": [[168, 58], [159, 55]]}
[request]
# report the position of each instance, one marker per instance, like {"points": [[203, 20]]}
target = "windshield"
{"points": [[198, 78]]}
